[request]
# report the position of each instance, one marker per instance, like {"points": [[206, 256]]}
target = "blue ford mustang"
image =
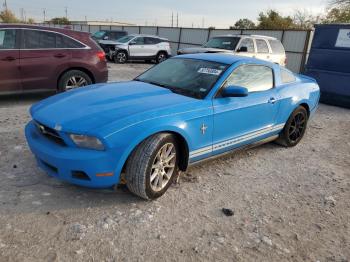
{"points": [[186, 109]]}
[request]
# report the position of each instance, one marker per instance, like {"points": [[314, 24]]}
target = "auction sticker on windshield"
{"points": [[209, 71]]}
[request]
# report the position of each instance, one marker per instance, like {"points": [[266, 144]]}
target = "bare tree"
{"points": [[340, 3]]}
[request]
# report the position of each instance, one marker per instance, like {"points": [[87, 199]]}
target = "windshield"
{"points": [[99, 34], [228, 43], [125, 39], [189, 77]]}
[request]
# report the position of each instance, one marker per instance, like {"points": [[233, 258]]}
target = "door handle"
{"points": [[272, 100], [59, 55], [9, 58]]}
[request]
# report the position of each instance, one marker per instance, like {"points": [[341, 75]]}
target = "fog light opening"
{"points": [[80, 175]]}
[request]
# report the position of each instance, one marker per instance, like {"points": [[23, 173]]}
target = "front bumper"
{"points": [[74, 165]]}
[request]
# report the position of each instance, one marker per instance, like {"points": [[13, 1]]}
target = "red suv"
{"points": [[34, 58]]}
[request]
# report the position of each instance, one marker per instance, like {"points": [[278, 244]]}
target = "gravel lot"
{"points": [[289, 204]]}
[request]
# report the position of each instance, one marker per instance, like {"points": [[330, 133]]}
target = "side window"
{"points": [[276, 47], [253, 77], [7, 39], [151, 41], [248, 42], [34, 39], [287, 77], [261, 45], [139, 41]]}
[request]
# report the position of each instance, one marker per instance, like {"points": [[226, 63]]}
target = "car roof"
{"points": [[144, 35], [228, 59], [254, 36], [46, 28]]}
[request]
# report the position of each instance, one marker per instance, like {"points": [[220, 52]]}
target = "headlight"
{"points": [[87, 141]]}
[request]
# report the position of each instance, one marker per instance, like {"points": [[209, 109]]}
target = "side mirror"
{"points": [[234, 91], [132, 43], [105, 37], [243, 49]]}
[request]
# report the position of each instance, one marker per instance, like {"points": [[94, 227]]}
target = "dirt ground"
{"points": [[289, 204]]}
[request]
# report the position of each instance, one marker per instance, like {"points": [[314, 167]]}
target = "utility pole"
{"points": [[172, 19], [5, 5], [44, 14], [177, 20], [203, 22], [66, 11], [21, 10]]}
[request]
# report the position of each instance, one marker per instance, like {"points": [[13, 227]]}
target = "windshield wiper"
{"points": [[152, 83]]}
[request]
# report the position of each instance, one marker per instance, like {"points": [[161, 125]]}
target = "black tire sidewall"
{"points": [[149, 191], [65, 77], [160, 53], [288, 142]]}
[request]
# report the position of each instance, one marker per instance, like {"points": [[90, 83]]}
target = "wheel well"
{"points": [[122, 50], [306, 106], [77, 68], [183, 161], [162, 51], [183, 146]]}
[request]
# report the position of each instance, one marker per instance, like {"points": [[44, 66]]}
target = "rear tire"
{"points": [[161, 57], [152, 166], [121, 57], [294, 129], [73, 79]]}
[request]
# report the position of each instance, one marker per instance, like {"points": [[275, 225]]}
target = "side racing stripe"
{"points": [[234, 141]]}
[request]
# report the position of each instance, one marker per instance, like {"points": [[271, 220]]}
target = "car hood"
{"points": [[90, 108], [194, 50]]}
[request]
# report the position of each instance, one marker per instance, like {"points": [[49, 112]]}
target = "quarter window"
{"points": [[287, 77], [248, 42], [262, 46], [253, 77], [7, 39], [276, 47]]}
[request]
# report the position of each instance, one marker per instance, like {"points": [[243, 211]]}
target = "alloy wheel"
{"points": [[163, 167], [121, 57], [297, 127], [76, 81]]}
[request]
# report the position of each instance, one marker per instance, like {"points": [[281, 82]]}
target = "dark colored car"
{"points": [[107, 39], [34, 58]]}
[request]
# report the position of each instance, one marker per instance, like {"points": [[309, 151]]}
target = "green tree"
{"points": [[7, 16], [273, 20], [60, 21], [244, 23], [31, 21]]}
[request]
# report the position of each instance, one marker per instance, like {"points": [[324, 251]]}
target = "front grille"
{"points": [[50, 133]]}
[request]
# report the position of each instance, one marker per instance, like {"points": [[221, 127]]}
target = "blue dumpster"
{"points": [[329, 63]]}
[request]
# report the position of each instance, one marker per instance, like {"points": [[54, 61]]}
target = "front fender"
{"points": [[127, 140]]}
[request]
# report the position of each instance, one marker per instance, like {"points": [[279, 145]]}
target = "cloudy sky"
{"points": [[219, 13]]}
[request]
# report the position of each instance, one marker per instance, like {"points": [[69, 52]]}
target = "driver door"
{"points": [[240, 120], [137, 47]]}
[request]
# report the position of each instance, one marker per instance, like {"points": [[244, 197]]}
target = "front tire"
{"points": [[294, 129], [73, 79], [152, 166], [121, 57]]}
